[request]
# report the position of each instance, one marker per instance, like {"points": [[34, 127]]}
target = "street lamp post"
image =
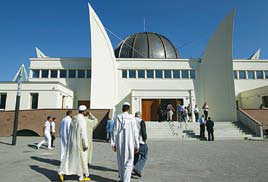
{"points": [[17, 108]]}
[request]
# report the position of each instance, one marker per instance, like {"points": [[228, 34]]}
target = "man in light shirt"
{"points": [[202, 126], [47, 135]]}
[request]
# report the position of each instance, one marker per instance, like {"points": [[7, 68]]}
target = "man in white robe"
{"points": [[64, 132], [75, 159], [125, 141], [92, 122]]}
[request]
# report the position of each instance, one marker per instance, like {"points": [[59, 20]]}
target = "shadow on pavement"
{"points": [[49, 161], [101, 179], [100, 168], [5, 143]]}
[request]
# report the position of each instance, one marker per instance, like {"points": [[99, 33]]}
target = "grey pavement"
{"points": [[180, 161]]}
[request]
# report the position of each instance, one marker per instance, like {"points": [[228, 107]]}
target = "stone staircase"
{"points": [[179, 131]]}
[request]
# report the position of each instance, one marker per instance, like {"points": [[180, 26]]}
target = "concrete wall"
{"points": [[252, 99], [34, 120]]}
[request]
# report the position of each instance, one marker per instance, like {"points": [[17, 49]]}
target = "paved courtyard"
{"points": [[180, 161]]}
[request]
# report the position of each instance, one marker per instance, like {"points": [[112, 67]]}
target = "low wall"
{"points": [[34, 120], [251, 123]]}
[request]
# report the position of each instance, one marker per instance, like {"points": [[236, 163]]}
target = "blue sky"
{"points": [[60, 28]]}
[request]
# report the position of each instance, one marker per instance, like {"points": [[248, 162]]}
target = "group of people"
{"points": [[126, 133], [49, 132], [206, 122]]}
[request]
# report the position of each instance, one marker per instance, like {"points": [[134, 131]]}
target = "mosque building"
{"points": [[146, 70]]}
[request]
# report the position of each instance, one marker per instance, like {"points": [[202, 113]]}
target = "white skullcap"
{"points": [[82, 108], [126, 104]]}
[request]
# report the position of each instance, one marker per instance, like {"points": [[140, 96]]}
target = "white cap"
{"points": [[82, 108], [126, 104]]}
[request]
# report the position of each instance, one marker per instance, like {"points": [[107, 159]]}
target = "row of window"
{"points": [[71, 73], [175, 74], [34, 100], [242, 74]]}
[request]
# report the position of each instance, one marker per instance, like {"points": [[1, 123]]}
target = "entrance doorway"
{"points": [[150, 108]]}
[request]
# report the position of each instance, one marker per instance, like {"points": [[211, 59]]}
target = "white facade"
{"points": [[50, 95]]}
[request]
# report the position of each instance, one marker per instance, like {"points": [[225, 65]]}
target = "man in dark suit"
{"points": [[210, 125]]}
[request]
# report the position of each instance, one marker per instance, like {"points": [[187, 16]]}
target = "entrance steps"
{"points": [[179, 131]]}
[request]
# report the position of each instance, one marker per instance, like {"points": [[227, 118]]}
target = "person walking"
{"points": [[160, 113], [202, 126], [170, 110], [47, 134], [125, 142], [64, 132], [179, 112], [189, 113], [53, 131], [75, 159], [196, 113], [142, 156], [205, 109], [210, 129], [92, 122], [109, 129]]}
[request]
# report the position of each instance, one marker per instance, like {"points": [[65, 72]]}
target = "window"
{"points": [[81, 74], [141, 73], [176, 73], [259, 74], [34, 98], [150, 73], [235, 74], [36, 73], [251, 75], [44, 74], [88, 73], [192, 74], [167, 73], [132, 73], [158, 73], [242, 74], [184, 73], [63, 73], [266, 74], [72, 74], [124, 73], [3, 99], [53, 73]]}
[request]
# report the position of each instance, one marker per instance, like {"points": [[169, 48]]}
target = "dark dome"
{"points": [[146, 45]]}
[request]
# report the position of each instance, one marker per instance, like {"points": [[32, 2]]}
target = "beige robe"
{"points": [[75, 158], [92, 122]]}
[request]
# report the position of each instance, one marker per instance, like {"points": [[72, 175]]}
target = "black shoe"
{"points": [[136, 173]]}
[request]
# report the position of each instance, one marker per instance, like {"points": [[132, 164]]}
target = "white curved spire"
{"points": [[256, 55], [216, 72], [103, 93], [39, 53]]}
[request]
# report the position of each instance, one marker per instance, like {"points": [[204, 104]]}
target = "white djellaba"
{"points": [[64, 133], [125, 140], [76, 155]]}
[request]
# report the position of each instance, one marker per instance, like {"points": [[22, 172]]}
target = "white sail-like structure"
{"points": [[103, 66], [216, 73], [39, 53], [256, 55]]}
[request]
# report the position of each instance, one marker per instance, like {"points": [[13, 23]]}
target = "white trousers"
{"points": [[46, 140], [169, 115]]}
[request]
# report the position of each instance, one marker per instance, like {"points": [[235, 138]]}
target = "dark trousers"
{"points": [[202, 131], [53, 137], [210, 135], [206, 115], [196, 115]]}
